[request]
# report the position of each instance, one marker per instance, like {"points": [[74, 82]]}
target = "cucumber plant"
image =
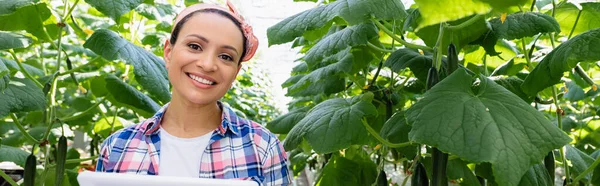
{"points": [[73, 69], [475, 92]]}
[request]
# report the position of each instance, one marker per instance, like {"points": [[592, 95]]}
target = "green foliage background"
{"points": [[378, 84]]}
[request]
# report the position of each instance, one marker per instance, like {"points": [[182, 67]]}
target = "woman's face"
{"points": [[203, 62]]}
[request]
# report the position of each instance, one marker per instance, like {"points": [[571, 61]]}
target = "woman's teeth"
{"points": [[201, 80]]}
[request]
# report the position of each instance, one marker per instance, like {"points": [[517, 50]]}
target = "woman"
{"points": [[195, 135]]}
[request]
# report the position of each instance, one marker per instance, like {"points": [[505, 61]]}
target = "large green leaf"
{"points": [[418, 63], [583, 47], [25, 16], [21, 95], [352, 11], [13, 154], [537, 175], [283, 124], [114, 8], [580, 161], [333, 124], [519, 25], [9, 40], [128, 95], [149, 70], [459, 37], [566, 14], [435, 11], [358, 171], [357, 35], [483, 124]]}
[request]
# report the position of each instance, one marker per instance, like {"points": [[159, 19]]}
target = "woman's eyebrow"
{"points": [[230, 47], [199, 37]]}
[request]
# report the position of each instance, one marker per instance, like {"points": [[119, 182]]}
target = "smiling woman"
{"points": [[195, 135]]}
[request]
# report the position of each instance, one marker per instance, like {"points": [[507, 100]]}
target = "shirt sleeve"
{"points": [[275, 167], [105, 149]]}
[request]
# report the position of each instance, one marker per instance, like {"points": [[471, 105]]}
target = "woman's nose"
{"points": [[207, 63]]}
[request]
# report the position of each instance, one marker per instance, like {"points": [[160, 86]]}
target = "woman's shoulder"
{"points": [[131, 132]]}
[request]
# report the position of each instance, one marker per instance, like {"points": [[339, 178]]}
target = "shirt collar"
{"points": [[229, 121]]}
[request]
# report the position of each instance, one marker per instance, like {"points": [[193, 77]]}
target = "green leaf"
{"points": [[27, 16], [155, 11], [457, 169], [333, 124], [566, 14], [485, 124], [114, 8], [8, 7], [395, 130], [575, 92], [434, 11], [4, 76], [13, 67], [537, 175], [21, 95], [584, 47], [460, 37], [149, 70], [283, 124], [509, 68], [580, 161], [419, 64], [9, 41], [128, 95], [13, 154], [519, 25], [357, 35], [348, 172], [513, 84], [103, 126], [352, 11]]}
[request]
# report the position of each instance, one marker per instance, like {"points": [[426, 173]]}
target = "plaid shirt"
{"points": [[238, 149]]}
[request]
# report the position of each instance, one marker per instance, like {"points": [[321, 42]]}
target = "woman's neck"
{"points": [[186, 120]]}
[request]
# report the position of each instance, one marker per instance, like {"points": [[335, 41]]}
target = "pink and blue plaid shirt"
{"points": [[238, 149]]}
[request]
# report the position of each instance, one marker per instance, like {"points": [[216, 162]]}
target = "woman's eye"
{"points": [[194, 46], [226, 57]]}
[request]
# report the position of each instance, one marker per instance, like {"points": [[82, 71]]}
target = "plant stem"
{"points": [[584, 75], [396, 38], [437, 56], [560, 125], [525, 53], [383, 141], [376, 73], [485, 69], [70, 161], [23, 70], [70, 11], [371, 45], [8, 178], [465, 24], [85, 112], [22, 129], [575, 24], [587, 171]]}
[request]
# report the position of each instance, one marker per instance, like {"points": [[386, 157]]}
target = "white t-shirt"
{"points": [[181, 156]]}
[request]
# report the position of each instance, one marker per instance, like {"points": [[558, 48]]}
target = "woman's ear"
{"points": [[167, 53]]}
